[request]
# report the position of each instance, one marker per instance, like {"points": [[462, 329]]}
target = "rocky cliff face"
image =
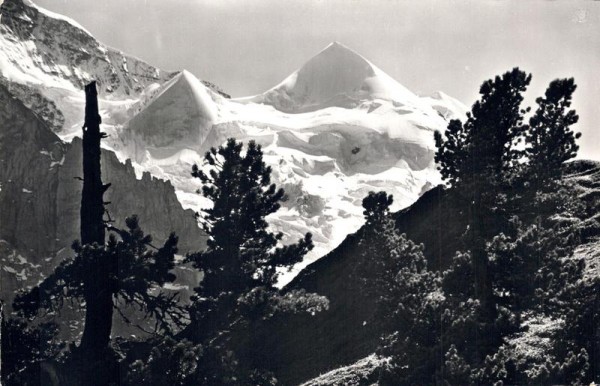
{"points": [[40, 198], [153, 200], [30, 157], [62, 49]]}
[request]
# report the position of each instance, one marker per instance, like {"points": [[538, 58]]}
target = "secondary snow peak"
{"points": [[179, 115]]}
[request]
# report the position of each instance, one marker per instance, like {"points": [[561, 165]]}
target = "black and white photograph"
{"points": [[299, 192]]}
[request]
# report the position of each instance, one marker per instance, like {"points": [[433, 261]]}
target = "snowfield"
{"points": [[332, 131]]}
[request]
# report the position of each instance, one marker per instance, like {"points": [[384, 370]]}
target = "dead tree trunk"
{"points": [[98, 298]]}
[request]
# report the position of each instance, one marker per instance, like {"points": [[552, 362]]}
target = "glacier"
{"points": [[332, 131]]}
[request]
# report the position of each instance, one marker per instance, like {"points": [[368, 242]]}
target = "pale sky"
{"points": [[247, 47]]}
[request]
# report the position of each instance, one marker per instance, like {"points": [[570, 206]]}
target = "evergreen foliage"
{"points": [[376, 209], [533, 269], [135, 269], [170, 362], [241, 252], [136, 272], [550, 139], [394, 270], [242, 258], [480, 153], [518, 261], [102, 273], [24, 347], [479, 159], [240, 269]]}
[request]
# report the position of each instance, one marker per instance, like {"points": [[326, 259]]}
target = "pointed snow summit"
{"points": [[179, 115], [336, 76]]}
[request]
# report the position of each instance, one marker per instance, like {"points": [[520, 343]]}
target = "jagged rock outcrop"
{"points": [[30, 157], [40, 197]]}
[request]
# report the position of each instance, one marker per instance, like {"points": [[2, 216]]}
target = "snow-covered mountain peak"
{"points": [[177, 115], [334, 130], [439, 95], [41, 47], [337, 76], [338, 55]]}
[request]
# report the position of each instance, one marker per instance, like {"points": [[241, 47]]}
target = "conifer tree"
{"points": [[242, 253], [136, 269], [518, 260], [239, 254], [478, 159], [550, 139], [522, 230], [376, 209], [550, 142], [243, 256], [375, 246], [394, 272], [480, 152]]}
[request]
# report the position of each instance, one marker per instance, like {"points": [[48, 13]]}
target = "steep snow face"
{"points": [[337, 76], [42, 47], [179, 115], [46, 59]]}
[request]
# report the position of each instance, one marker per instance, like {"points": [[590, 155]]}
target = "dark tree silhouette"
{"points": [[478, 159], [550, 139], [376, 208], [242, 252], [393, 272], [243, 256], [480, 152], [522, 231], [22, 347], [97, 295], [376, 244], [102, 273]]}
